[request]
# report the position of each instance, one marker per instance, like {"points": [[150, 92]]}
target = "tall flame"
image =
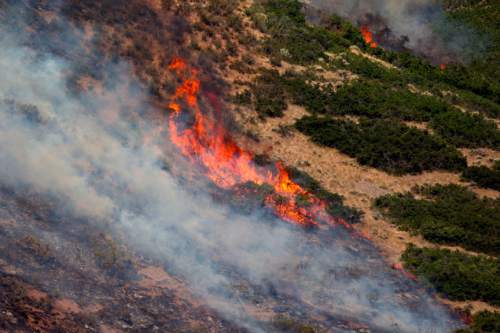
{"points": [[368, 37], [207, 143]]}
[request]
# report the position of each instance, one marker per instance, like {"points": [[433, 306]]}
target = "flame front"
{"points": [[368, 37], [207, 143]]}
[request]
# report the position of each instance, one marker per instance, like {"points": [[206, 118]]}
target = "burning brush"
{"points": [[207, 143], [368, 37]]}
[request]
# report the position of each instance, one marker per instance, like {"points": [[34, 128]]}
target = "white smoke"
{"points": [[88, 152]]}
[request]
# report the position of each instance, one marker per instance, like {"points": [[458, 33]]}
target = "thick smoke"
{"points": [[92, 153], [421, 26]]}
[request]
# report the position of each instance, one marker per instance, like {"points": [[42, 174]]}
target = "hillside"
{"points": [[249, 166]]}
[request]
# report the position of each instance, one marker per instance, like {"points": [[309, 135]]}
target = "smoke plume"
{"points": [[99, 157]]}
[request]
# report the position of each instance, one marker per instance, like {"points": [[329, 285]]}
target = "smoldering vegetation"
{"points": [[419, 26], [100, 162]]}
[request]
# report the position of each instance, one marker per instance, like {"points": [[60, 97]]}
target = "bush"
{"points": [[457, 275], [483, 176], [447, 214], [363, 98], [270, 100], [466, 130], [386, 145], [375, 100], [484, 322]]}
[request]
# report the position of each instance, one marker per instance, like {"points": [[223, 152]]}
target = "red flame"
{"points": [[399, 267], [368, 37], [207, 143], [442, 67]]}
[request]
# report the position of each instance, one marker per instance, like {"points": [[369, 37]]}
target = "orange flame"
{"points": [[207, 143], [399, 267], [368, 37], [442, 67]]}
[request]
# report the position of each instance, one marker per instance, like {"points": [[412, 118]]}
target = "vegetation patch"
{"points": [[484, 176], [466, 130], [284, 323], [376, 100], [291, 37], [383, 144], [372, 99], [459, 276], [269, 98], [447, 214]]}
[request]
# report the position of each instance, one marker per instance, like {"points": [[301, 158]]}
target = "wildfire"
{"points": [[399, 267], [207, 143], [368, 37], [442, 67]]}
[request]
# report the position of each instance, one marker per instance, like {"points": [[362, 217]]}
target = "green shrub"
{"points": [[447, 214], [363, 98], [375, 100], [457, 275], [477, 103], [270, 100], [483, 176], [466, 130], [386, 145]]}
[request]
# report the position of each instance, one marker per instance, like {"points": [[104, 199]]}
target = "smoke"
{"points": [[421, 26], [94, 154]]}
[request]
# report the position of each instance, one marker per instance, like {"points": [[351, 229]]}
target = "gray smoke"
{"points": [[421, 26], [88, 152]]}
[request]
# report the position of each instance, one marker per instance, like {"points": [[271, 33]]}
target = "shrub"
{"points": [[483, 176], [447, 214], [376, 100], [457, 275], [386, 145], [270, 100], [466, 130]]}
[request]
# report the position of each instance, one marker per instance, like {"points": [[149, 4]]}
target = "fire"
{"points": [[207, 143], [442, 67], [399, 267], [368, 37]]}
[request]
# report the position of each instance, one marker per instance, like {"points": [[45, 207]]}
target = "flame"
{"points": [[442, 67], [207, 143], [368, 37], [399, 267]]}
